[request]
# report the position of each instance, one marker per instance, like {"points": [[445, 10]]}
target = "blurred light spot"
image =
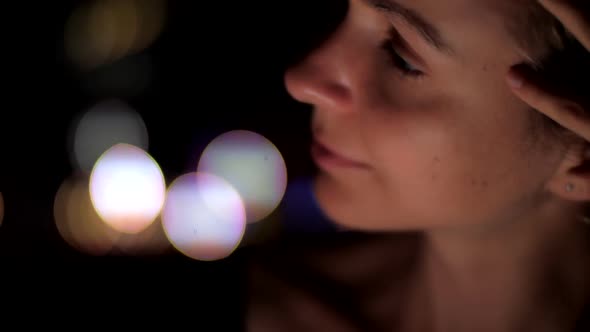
{"points": [[101, 127], [151, 19], [77, 221], [203, 216], [252, 165], [151, 241], [1, 209], [127, 188], [103, 31]]}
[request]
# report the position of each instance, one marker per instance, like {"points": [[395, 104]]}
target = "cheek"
{"points": [[443, 167]]}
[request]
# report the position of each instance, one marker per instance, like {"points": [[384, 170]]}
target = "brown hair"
{"points": [[556, 56], [537, 31]]}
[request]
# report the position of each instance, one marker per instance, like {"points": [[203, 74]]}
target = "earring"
{"points": [[569, 187]]}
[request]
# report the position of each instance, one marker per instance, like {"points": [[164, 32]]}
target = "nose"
{"points": [[330, 75]]}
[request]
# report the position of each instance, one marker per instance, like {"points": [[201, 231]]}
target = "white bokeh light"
{"points": [[252, 165], [127, 188], [203, 216], [101, 127]]}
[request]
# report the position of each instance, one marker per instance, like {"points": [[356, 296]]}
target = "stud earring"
{"points": [[569, 187]]}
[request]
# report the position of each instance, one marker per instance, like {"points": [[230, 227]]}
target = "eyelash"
{"points": [[404, 67]]}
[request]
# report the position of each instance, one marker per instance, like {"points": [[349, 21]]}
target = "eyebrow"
{"points": [[428, 31]]}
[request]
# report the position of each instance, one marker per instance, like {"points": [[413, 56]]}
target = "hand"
{"points": [[571, 114]]}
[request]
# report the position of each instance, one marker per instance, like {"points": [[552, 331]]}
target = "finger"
{"points": [[573, 17], [564, 111]]}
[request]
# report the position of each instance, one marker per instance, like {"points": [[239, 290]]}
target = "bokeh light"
{"points": [[99, 32], [203, 216], [127, 188], [77, 222], [252, 165], [107, 123]]}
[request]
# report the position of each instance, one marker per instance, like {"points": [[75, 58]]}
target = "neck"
{"points": [[500, 279]]}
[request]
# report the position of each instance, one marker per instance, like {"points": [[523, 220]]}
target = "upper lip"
{"points": [[344, 157]]}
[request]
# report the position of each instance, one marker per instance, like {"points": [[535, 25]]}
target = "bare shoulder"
{"points": [[342, 282]]}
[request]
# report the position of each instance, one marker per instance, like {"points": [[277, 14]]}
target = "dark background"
{"points": [[217, 66]]}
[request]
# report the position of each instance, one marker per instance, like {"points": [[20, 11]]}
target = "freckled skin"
{"points": [[452, 148]]}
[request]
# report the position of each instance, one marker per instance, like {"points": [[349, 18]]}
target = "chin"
{"points": [[351, 209]]}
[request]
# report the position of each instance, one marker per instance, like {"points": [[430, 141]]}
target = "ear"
{"points": [[572, 179]]}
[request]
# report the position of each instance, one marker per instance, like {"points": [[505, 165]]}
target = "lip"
{"points": [[326, 157]]}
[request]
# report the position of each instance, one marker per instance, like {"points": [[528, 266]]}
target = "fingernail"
{"points": [[514, 80]]}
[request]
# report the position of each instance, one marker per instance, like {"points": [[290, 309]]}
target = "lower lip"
{"points": [[327, 159]]}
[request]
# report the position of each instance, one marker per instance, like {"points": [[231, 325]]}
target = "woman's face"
{"points": [[414, 123]]}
